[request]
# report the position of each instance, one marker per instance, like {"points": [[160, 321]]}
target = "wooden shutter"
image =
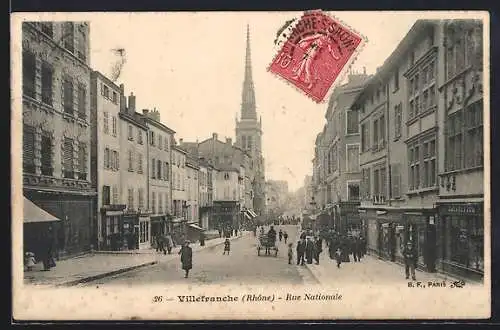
{"points": [[68, 154], [396, 180], [28, 144]]}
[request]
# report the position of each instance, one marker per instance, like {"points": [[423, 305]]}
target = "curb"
{"points": [[103, 275]]}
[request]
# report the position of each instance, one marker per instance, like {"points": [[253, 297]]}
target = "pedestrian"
{"points": [[318, 248], [290, 253], [29, 261], [285, 236], [338, 256], [47, 258], [301, 249], [186, 258], [220, 232], [227, 246], [202, 239], [303, 235], [280, 235], [169, 242], [309, 251], [160, 243], [410, 257]]}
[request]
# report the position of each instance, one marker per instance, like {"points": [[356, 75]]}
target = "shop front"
{"points": [[144, 231], [350, 221], [461, 230], [227, 214], [382, 228], [130, 230], [420, 229], [112, 226], [158, 228]]}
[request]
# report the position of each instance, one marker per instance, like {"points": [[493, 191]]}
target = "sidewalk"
{"points": [[370, 270], [100, 264]]}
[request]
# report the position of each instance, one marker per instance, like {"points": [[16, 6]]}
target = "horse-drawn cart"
{"points": [[268, 245]]}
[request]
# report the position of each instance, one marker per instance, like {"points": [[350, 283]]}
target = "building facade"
{"points": [[105, 160], [134, 176], [227, 211], [57, 133], [421, 133], [179, 198], [192, 189], [159, 164]]}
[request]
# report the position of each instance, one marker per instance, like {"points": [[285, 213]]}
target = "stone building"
{"points": [[159, 164], [105, 160], [134, 175], [419, 141], [57, 134], [179, 199]]}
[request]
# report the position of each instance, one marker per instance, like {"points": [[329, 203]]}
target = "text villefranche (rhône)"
{"points": [[252, 298]]}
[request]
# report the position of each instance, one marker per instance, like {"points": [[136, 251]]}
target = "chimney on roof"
{"points": [[123, 99], [229, 141], [145, 112], [131, 103], [155, 114], [214, 136], [364, 70], [180, 141]]}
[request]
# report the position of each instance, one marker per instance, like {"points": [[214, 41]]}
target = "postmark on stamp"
{"points": [[319, 48]]}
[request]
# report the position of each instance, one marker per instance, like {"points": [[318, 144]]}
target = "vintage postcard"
{"points": [[250, 165]]}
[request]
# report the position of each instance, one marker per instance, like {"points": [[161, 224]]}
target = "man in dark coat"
{"points": [[410, 257], [202, 239], [186, 258], [309, 250], [303, 235], [301, 250], [318, 248]]}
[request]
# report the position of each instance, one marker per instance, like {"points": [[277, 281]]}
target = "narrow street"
{"points": [[242, 266]]}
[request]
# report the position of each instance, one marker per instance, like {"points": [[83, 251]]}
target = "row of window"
{"points": [[160, 170], [75, 154], [162, 142], [109, 94], [69, 88], [68, 37], [378, 141]]}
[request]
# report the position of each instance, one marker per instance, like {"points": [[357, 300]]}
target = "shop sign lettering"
{"points": [[459, 209]]}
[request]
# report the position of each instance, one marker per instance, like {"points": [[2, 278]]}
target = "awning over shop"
{"points": [[195, 226], [177, 220], [248, 216], [33, 213]]}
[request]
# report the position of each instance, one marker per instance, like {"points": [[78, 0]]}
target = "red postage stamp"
{"points": [[315, 53]]}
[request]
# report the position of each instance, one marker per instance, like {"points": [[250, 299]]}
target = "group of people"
{"points": [[341, 247], [308, 249], [164, 243]]}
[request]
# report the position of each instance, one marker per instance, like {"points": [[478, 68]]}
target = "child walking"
{"points": [[227, 246], [290, 253]]}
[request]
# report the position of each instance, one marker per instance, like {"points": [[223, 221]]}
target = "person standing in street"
{"points": [[309, 250], [318, 248], [290, 253], [410, 257], [186, 258], [285, 236], [227, 246], [280, 235], [338, 257], [202, 239], [301, 250]]}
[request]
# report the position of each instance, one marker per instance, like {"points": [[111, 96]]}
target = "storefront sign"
{"points": [[431, 220], [460, 209]]}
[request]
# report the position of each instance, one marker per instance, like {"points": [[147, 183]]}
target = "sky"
{"points": [[190, 66]]}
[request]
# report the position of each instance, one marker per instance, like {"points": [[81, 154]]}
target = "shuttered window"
{"points": [[396, 180], [82, 98], [46, 154], [68, 95], [68, 158], [29, 69], [47, 74], [28, 149], [82, 161]]}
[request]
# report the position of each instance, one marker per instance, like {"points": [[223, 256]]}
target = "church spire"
{"points": [[248, 109]]}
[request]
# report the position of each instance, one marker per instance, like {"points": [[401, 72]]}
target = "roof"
{"points": [[397, 55], [105, 79], [159, 125], [178, 148], [132, 119]]}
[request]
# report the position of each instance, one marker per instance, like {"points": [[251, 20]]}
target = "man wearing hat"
{"points": [[186, 258]]}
